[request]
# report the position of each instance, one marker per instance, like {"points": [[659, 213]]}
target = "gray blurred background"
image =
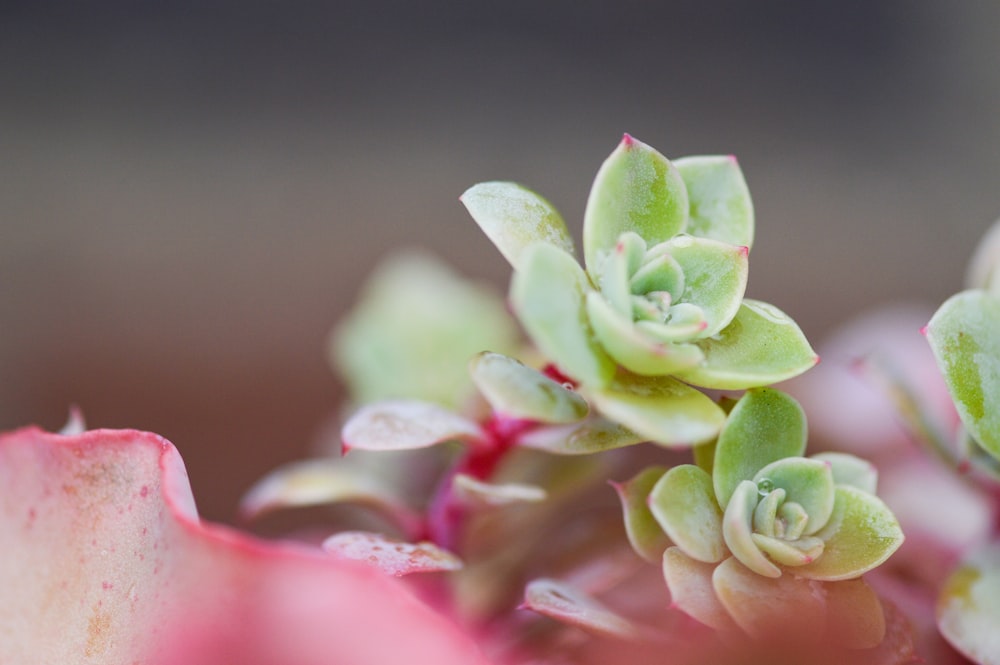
{"points": [[190, 194]]}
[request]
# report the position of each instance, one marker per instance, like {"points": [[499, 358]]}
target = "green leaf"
{"points": [[683, 504], [569, 605], [405, 425], [721, 208], [969, 606], [963, 336], [850, 470], [593, 435], [393, 557], [632, 347], [861, 534], [513, 389], [807, 482], [644, 533], [761, 346], [715, 278], [624, 260], [769, 608], [765, 425], [691, 590], [737, 530], [660, 409], [636, 189], [548, 294], [515, 217], [491, 495]]}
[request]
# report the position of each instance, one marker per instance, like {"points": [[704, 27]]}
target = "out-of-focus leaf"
{"points": [[691, 589], [968, 610], [721, 208], [477, 492], [593, 435], [393, 557], [854, 615], [644, 533], [850, 470], [683, 504], [571, 606], [404, 425], [519, 391]]}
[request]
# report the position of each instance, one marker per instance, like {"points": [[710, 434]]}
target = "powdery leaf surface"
{"points": [[391, 556], [568, 605], [405, 425], [104, 561]]}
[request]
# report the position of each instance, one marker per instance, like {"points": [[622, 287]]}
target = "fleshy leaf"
{"points": [[715, 278], [636, 189], [569, 605], [854, 615], [721, 208], [516, 390], [593, 435], [850, 470], [984, 267], [963, 336], [760, 346], [807, 482], [796, 552], [683, 504], [477, 492], [515, 217], [737, 529], [414, 327], [660, 409], [861, 534], [548, 295], [392, 557], [784, 607], [644, 533], [968, 610], [691, 590], [765, 425], [104, 560], [632, 347], [404, 425]]}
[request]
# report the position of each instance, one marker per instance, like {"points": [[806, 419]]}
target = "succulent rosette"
{"points": [[658, 306], [758, 537]]}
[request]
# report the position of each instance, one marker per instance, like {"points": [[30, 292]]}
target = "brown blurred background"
{"points": [[190, 193]]}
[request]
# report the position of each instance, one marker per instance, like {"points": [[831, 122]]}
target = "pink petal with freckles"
{"points": [[103, 560]]}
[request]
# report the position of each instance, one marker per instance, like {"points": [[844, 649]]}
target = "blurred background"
{"points": [[191, 193]]}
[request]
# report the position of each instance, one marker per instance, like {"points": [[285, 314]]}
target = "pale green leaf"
{"points": [[963, 336], [850, 470], [492, 495], [593, 435], [660, 409], [760, 346], [764, 426], [514, 217], [393, 557], [715, 277], [623, 261], [636, 189], [683, 504], [737, 530], [691, 590], [807, 482], [861, 534], [519, 391], [632, 347], [721, 208], [795, 552], [404, 425], [548, 295], [569, 605], [969, 606], [644, 533]]}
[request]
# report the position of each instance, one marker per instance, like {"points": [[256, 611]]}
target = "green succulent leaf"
{"points": [[715, 277], [492, 495], [569, 605], [393, 557], [636, 189], [515, 217], [760, 346], [593, 435], [807, 482], [789, 552], [781, 607], [405, 425], [683, 504], [632, 347], [861, 534], [850, 470], [963, 336], [764, 426], [548, 296], [516, 390], [969, 606], [660, 409], [737, 530], [644, 533], [623, 261], [721, 208], [691, 590]]}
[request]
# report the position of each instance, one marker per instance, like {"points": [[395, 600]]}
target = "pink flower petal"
{"points": [[103, 560]]}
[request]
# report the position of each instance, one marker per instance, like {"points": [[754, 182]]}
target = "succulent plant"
{"points": [[659, 306], [762, 536]]}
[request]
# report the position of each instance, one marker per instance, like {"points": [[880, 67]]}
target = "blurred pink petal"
{"points": [[103, 560]]}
